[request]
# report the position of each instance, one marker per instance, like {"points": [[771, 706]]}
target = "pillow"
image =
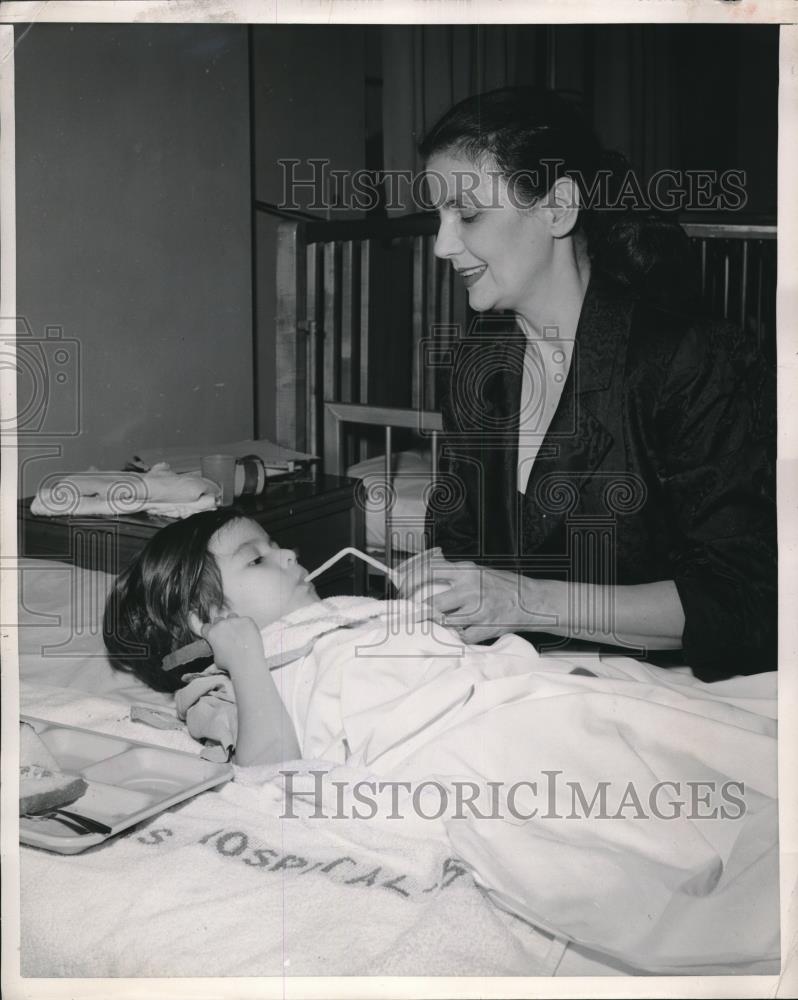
{"points": [[412, 471], [60, 632]]}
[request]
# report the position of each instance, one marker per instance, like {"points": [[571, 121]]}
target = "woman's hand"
{"points": [[480, 603]]}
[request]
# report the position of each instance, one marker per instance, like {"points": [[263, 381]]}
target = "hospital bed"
{"points": [[222, 885], [225, 885]]}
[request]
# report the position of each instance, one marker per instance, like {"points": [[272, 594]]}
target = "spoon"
{"points": [[80, 824]]}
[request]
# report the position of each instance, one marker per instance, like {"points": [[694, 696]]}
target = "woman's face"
{"points": [[501, 249], [259, 579]]}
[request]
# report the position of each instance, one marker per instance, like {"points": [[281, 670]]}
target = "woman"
{"points": [[609, 477]]}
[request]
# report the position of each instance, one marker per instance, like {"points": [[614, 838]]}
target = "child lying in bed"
{"points": [[370, 689], [217, 575]]}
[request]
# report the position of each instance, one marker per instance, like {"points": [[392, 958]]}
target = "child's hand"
{"points": [[236, 642], [265, 731]]}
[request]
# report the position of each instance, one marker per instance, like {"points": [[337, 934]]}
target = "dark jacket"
{"points": [[658, 465]]}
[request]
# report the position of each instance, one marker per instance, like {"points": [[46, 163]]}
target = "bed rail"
{"points": [[738, 275], [337, 416], [355, 301], [362, 304], [359, 303]]}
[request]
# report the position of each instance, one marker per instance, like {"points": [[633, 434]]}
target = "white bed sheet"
{"points": [[672, 881], [222, 885], [66, 677], [60, 632]]}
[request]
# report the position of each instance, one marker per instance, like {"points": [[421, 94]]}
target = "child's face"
{"points": [[259, 579]]}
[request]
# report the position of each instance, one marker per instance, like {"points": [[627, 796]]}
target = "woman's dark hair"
{"points": [[146, 616], [534, 137]]}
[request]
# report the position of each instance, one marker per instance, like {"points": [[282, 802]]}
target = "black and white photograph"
{"points": [[391, 541]]}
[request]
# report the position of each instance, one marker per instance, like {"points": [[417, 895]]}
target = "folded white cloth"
{"points": [[104, 494]]}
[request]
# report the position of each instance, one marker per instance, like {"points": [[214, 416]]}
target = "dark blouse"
{"points": [[658, 465]]}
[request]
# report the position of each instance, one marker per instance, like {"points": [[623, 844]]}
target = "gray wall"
{"points": [[309, 102], [134, 233]]}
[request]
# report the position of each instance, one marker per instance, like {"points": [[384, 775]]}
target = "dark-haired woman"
{"points": [[608, 475]]}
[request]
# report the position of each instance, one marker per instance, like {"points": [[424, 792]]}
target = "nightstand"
{"points": [[316, 516]]}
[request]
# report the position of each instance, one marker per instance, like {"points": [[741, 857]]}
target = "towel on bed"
{"points": [[228, 884], [104, 494]]}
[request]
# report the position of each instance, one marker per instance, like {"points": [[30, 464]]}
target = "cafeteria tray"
{"points": [[128, 782]]}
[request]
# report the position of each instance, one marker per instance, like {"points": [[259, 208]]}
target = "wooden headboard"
{"points": [[358, 304], [364, 307]]}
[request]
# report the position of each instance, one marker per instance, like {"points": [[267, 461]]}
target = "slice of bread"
{"points": [[42, 784], [41, 790]]}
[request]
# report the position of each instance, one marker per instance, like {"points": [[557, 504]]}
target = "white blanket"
{"points": [[631, 887], [223, 886], [675, 874]]}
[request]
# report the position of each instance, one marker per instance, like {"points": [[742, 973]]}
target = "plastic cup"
{"points": [[221, 469]]}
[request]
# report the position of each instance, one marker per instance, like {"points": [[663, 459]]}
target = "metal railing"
{"points": [[356, 300]]}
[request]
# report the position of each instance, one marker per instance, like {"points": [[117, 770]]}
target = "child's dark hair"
{"points": [[146, 616]]}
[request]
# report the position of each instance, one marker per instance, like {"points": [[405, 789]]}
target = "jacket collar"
{"points": [[579, 436], [601, 332]]}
